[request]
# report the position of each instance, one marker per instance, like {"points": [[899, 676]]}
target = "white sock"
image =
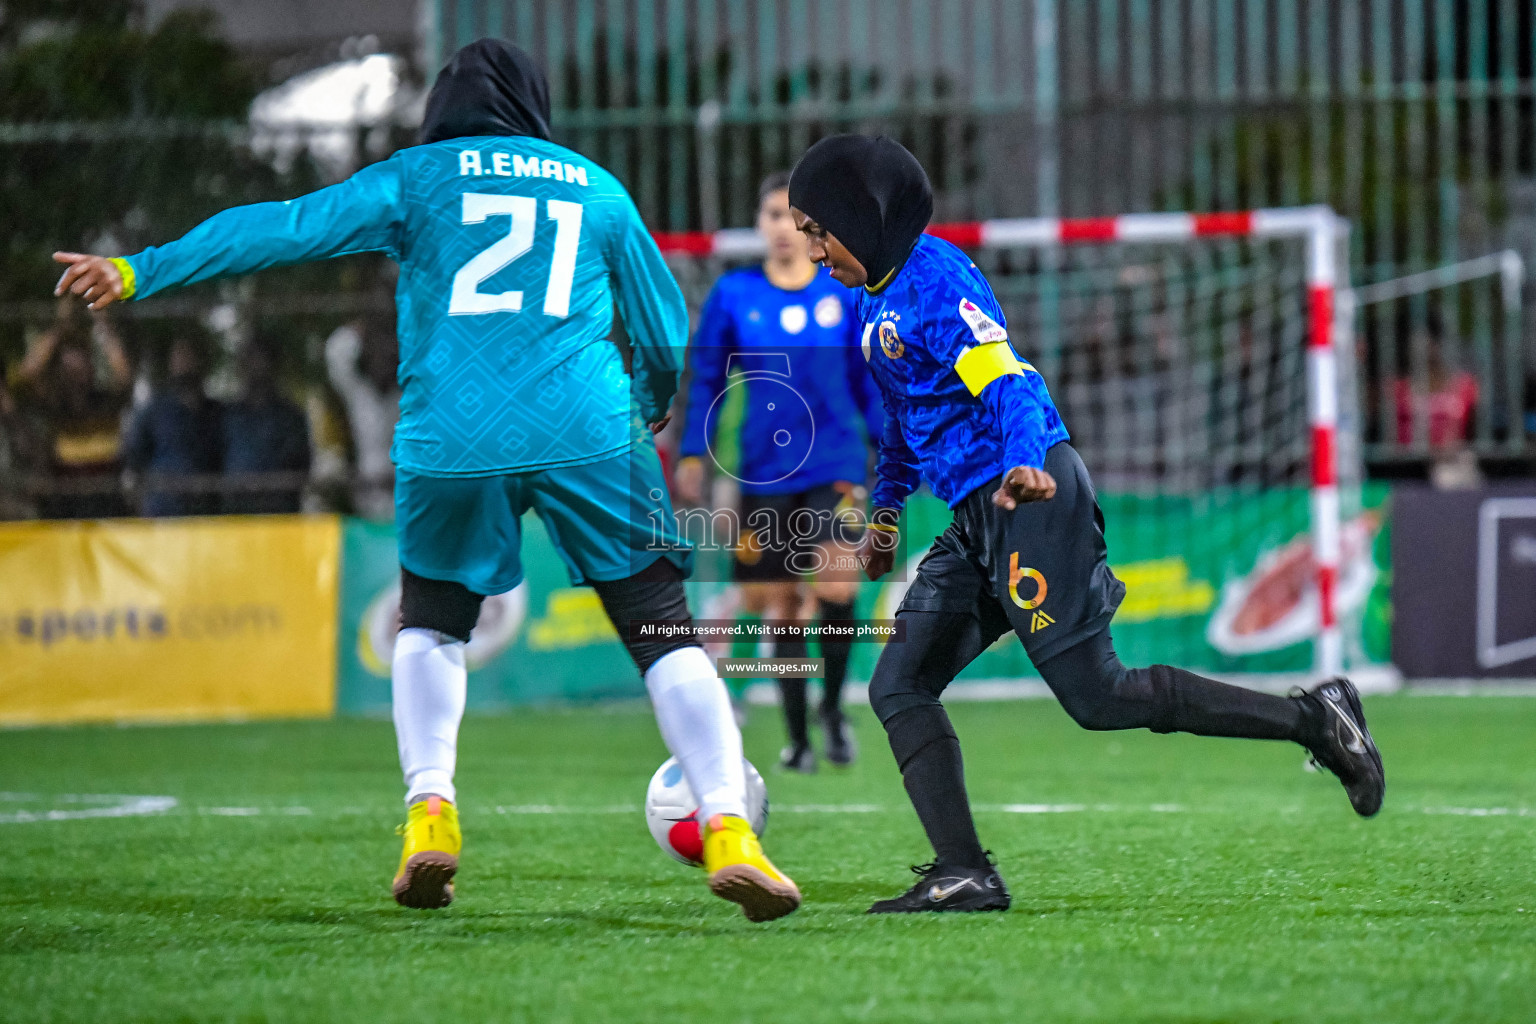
{"points": [[430, 683], [693, 711]]}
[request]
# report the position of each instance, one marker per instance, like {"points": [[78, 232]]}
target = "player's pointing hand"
{"points": [[1023, 484], [94, 278]]}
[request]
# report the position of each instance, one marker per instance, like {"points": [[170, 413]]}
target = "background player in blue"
{"points": [[513, 252], [812, 414], [1026, 548]]}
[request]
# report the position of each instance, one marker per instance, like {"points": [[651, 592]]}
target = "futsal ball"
{"points": [[673, 814]]}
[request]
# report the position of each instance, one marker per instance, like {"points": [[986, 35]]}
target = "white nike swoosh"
{"points": [[1357, 744], [939, 894]]}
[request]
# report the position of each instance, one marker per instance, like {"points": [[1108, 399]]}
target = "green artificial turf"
{"points": [[1154, 879]]}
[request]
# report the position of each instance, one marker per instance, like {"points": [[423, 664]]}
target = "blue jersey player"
{"points": [[785, 334], [1025, 550], [513, 252]]}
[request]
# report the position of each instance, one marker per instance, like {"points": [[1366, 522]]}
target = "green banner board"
{"points": [[1217, 581], [545, 641]]}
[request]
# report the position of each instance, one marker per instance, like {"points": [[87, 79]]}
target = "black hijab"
{"points": [[868, 192], [490, 87]]}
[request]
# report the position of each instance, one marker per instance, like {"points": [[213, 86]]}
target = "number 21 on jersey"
{"points": [[467, 298]]}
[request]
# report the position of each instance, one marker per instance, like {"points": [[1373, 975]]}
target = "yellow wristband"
{"points": [[882, 527], [130, 279]]}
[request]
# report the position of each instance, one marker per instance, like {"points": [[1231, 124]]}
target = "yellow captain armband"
{"points": [[130, 279], [883, 527], [980, 365]]}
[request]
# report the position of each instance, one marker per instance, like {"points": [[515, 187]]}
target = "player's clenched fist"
{"points": [[877, 552], [95, 279], [1023, 484]]}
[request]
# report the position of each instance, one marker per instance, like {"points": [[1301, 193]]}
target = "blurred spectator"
{"points": [[363, 361], [1441, 398], [1436, 404], [178, 435], [75, 415], [17, 456], [264, 432]]}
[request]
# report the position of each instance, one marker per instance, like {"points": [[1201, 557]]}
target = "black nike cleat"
{"points": [[1342, 743], [841, 748], [798, 759], [945, 888]]}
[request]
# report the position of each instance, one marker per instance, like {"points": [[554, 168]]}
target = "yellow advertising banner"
{"points": [[163, 620]]}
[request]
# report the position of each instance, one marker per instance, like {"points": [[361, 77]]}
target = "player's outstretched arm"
{"points": [[361, 214], [96, 279]]}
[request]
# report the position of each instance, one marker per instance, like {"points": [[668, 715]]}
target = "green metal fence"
{"points": [[1412, 118], [1415, 119]]}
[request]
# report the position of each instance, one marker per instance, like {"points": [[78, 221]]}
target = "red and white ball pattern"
{"points": [[672, 813]]}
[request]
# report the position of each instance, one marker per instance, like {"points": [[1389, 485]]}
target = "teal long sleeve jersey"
{"points": [[512, 252]]}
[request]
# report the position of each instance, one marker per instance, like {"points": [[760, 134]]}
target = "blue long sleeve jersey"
{"points": [[812, 408], [512, 252], [962, 408]]}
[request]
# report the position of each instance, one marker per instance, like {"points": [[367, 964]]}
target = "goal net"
{"points": [[1199, 365]]}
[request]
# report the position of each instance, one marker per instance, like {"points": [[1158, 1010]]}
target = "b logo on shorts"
{"points": [[1015, 574]]}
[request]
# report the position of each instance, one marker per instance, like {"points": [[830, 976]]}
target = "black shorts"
{"points": [[780, 532], [1041, 570]]}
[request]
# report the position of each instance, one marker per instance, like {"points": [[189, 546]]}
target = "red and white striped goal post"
{"points": [[1316, 226]]}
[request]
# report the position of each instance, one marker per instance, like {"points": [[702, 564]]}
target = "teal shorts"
{"points": [[608, 521]]}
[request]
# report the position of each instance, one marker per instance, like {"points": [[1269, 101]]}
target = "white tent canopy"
{"points": [[322, 110]]}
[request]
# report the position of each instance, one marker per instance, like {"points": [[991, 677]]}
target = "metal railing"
{"points": [[1412, 118], [114, 494], [1415, 119]]}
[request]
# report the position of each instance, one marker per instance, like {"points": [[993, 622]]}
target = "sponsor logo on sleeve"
{"points": [[984, 328]]}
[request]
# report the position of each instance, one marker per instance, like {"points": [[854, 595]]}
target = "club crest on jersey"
{"points": [[985, 329], [890, 341], [793, 319], [828, 312]]}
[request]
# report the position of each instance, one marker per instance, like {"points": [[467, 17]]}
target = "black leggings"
{"points": [[655, 593], [1089, 680]]}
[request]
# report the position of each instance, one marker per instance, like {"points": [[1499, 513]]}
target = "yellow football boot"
{"points": [[739, 872], [431, 855]]}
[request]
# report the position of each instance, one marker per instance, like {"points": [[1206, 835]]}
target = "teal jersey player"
{"points": [[513, 253]]}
